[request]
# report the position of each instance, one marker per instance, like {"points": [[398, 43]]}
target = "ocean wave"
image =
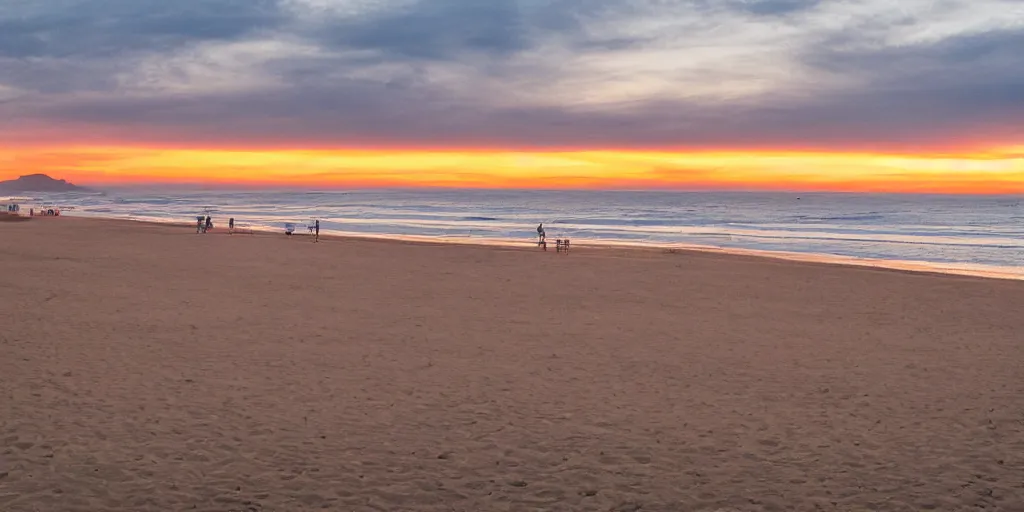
{"points": [[946, 242], [832, 218], [961, 229]]}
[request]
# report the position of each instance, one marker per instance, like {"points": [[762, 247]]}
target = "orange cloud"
{"points": [[995, 171]]}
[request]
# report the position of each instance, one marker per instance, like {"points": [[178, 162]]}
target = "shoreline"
{"points": [[914, 267]]}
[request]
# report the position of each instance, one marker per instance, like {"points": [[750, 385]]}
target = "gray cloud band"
{"points": [[372, 77]]}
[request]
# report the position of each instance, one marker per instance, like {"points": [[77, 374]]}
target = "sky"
{"points": [[858, 95]]}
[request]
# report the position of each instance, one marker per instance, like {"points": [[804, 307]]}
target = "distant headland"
{"points": [[39, 183]]}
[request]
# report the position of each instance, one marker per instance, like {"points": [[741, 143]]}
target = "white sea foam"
{"points": [[981, 235]]}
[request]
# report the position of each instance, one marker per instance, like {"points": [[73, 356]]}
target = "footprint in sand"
{"points": [[476, 485], [642, 458]]}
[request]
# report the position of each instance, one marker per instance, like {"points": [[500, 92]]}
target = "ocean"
{"points": [[946, 233]]}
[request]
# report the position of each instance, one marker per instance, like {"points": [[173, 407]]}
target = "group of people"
{"points": [[204, 223], [49, 212], [561, 244]]}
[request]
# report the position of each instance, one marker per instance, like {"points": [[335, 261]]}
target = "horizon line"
{"points": [[249, 186]]}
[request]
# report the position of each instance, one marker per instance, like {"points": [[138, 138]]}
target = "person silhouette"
{"points": [[540, 232], [316, 226]]}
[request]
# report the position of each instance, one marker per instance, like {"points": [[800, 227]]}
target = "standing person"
{"points": [[231, 225], [209, 224], [316, 226], [199, 225], [540, 233]]}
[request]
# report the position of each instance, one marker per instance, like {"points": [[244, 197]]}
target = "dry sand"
{"points": [[150, 368]]}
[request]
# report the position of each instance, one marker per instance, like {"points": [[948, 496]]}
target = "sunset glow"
{"points": [[991, 172], [745, 94]]}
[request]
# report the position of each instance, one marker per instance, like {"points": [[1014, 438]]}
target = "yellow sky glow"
{"points": [[996, 171]]}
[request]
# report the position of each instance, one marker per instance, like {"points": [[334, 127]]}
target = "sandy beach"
{"points": [[148, 368]]}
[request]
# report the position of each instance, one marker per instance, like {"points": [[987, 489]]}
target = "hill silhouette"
{"points": [[39, 183]]}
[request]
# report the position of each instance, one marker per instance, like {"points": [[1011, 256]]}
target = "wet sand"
{"points": [[149, 368]]}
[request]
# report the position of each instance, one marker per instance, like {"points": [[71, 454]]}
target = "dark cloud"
{"points": [[434, 29], [775, 7], [353, 113], [58, 77], [103, 28], [955, 58], [450, 29], [766, 8], [956, 80], [897, 96]]}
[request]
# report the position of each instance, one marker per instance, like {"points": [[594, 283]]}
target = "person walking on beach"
{"points": [[209, 224], [540, 233], [231, 225], [199, 225], [316, 227]]}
